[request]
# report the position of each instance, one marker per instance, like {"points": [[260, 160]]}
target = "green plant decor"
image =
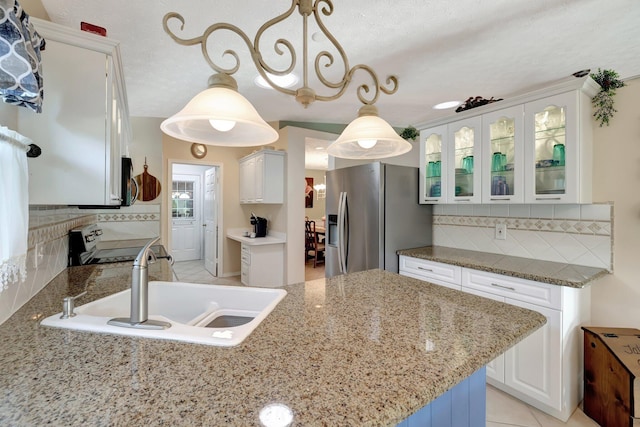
{"points": [[409, 133], [603, 101]]}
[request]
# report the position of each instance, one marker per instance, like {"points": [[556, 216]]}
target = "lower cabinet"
{"points": [[435, 272], [262, 265], [545, 369]]}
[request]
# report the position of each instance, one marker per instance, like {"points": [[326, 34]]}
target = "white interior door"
{"points": [[186, 230], [211, 221]]}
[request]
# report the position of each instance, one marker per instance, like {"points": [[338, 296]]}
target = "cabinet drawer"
{"points": [[449, 285], [245, 254], [427, 270], [542, 294]]}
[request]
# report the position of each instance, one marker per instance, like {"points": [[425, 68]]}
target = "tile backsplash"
{"points": [[48, 233], [575, 234]]}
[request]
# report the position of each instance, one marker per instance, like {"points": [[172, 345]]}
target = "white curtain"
{"points": [[14, 206]]}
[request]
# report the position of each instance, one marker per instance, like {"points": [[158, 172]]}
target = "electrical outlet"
{"points": [[501, 231], [38, 255]]}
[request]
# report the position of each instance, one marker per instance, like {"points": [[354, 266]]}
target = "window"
{"points": [[182, 199]]}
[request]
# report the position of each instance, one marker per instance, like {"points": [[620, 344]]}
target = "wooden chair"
{"points": [[312, 248]]}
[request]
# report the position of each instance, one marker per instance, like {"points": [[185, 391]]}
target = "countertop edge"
{"points": [[422, 253], [256, 241]]}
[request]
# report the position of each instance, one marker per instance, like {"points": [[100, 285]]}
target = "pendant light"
{"points": [[221, 116], [368, 137]]}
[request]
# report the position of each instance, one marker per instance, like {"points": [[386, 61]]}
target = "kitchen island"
{"points": [[370, 348]]}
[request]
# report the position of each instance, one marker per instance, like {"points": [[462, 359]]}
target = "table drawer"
{"points": [[427, 270], [542, 294]]}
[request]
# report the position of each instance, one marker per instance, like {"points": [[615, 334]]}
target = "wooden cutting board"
{"points": [[148, 185]]}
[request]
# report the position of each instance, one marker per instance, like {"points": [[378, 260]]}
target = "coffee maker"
{"points": [[259, 225]]}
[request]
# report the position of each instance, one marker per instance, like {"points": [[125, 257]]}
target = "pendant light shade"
{"points": [[221, 116], [368, 137]]}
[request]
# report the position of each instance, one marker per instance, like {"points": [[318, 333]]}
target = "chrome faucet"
{"points": [[140, 294]]}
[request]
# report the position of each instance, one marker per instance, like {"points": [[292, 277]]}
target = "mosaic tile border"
{"points": [[588, 227], [124, 217], [51, 232]]}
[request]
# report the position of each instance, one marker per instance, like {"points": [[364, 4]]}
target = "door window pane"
{"points": [[182, 199]]}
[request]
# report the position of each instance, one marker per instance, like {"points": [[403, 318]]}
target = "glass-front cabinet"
{"points": [[432, 180], [450, 162], [558, 150], [534, 148], [503, 156], [464, 161]]}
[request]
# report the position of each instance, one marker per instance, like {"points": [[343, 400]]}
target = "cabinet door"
{"points": [[552, 157], [503, 156], [495, 368], [247, 180], [259, 178], [464, 161], [71, 130], [433, 165], [115, 134], [534, 365]]}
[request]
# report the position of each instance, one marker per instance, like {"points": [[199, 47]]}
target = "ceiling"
{"points": [[440, 50]]}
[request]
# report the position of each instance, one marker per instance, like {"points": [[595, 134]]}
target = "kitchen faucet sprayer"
{"points": [[140, 294]]}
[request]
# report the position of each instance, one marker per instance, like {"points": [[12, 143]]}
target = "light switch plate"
{"points": [[501, 231]]}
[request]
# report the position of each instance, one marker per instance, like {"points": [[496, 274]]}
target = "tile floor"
{"points": [[502, 409], [506, 411]]}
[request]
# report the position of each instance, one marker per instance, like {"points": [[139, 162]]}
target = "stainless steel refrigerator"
{"points": [[372, 211]]}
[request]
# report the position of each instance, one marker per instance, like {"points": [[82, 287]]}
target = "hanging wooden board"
{"points": [[149, 185]]}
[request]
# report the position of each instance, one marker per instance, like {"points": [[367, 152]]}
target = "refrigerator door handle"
{"points": [[343, 221], [340, 233]]}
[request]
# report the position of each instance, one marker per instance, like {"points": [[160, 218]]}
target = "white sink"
{"points": [[204, 314]]}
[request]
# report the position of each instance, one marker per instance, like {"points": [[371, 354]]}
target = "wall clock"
{"points": [[198, 150]]}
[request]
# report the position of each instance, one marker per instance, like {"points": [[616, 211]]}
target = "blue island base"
{"points": [[463, 405]]}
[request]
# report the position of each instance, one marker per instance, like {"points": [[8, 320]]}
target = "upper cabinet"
{"points": [[535, 148], [464, 161], [83, 129], [558, 156], [503, 154], [262, 177]]}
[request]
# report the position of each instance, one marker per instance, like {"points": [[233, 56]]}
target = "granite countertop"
{"points": [[369, 348], [555, 273]]}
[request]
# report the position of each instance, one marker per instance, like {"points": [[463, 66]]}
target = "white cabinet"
{"points": [[434, 272], [247, 180], [503, 156], [534, 367], [558, 159], [464, 161], [432, 156], [262, 265], [533, 148], [544, 369], [262, 177], [84, 125], [450, 162]]}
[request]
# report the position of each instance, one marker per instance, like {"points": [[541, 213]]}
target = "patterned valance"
{"points": [[20, 63]]}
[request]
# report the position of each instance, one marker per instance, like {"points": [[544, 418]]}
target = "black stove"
{"points": [[83, 248]]}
